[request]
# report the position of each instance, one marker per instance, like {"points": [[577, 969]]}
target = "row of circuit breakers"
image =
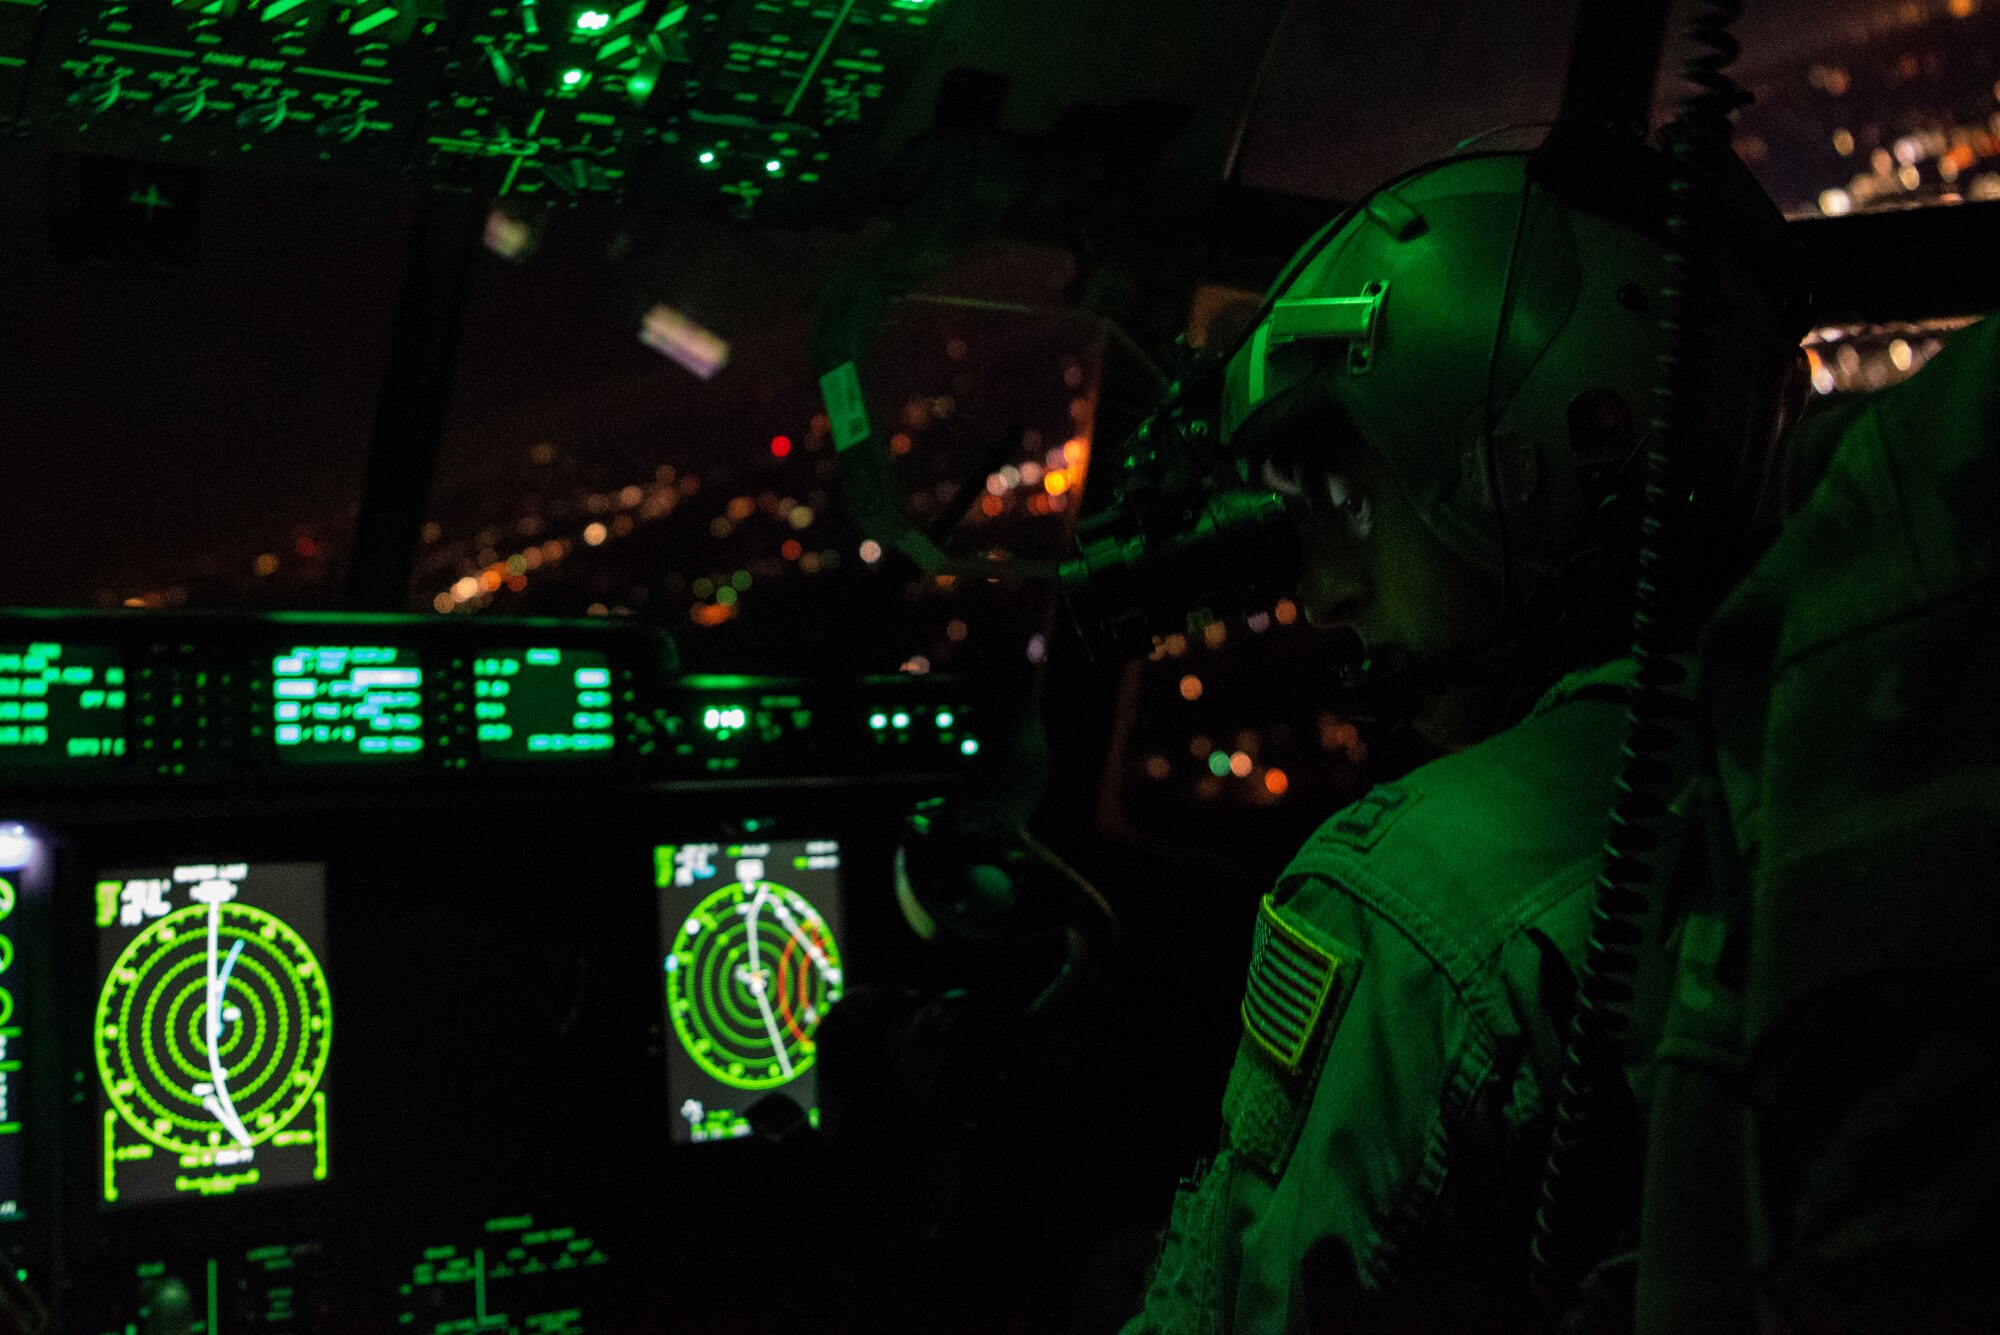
{"points": [[746, 108]]}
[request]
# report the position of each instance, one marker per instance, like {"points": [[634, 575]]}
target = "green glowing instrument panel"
{"points": [[335, 703], [536, 703], [523, 1272], [212, 1031], [743, 109], [279, 701], [751, 962], [61, 703]]}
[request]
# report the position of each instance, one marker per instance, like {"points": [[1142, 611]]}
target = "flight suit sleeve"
{"points": [[1371, 1119]]}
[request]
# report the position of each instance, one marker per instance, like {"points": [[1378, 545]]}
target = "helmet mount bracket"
{"points": [[1350, 320]]}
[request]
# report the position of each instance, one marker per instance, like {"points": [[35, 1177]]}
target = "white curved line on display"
{"points": [[219, 1102], [757, 982]]}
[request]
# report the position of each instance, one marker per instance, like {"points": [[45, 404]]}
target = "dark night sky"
{"points": [[145, 413], [149, 417], [1357, 92]]}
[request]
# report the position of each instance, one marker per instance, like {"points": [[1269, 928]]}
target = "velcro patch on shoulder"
{"points": [[1296, 978], [1366, 820]]}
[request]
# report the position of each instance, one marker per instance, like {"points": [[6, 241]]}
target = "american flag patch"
{"points": [[1292, 985]]}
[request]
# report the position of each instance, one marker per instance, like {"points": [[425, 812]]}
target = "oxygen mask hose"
{"points": [[1586, 1192]]}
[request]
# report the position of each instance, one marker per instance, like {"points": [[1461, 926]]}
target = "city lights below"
{"points": [[1190, 687], [1276, 782], [595, 534]]}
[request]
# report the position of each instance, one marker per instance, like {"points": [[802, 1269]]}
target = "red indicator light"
{"points": [[781, 446]]}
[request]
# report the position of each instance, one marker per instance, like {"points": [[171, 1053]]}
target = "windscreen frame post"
{"points": [[416, 399]]}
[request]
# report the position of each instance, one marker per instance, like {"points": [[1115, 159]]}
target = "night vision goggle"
{"points": [[1191, 532]]}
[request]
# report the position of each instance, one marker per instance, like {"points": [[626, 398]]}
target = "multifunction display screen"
{"points": [[212, 1029], [338, 703], [542, 704], [61, 703], [751, 958]]}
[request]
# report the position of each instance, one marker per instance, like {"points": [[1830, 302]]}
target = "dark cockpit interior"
{"points": [[547, 779]]}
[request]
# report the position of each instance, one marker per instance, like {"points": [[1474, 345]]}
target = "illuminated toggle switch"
{"points": [[374, 16], [183, 106], [99, 95], [576, 176], [263, 117], [346, 127]]}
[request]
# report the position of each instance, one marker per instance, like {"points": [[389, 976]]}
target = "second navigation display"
{"points": [[751, 964]]}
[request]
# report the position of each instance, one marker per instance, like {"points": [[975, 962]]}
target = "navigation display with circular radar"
{"points": [[752, 964], [212, 1029]]}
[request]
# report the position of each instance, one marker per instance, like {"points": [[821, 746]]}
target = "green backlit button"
{"points": [[944, 719], [878, 721], [969, 747], [901, 720]]}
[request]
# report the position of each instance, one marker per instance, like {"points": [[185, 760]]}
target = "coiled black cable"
{"points": [[1589, 1182]]}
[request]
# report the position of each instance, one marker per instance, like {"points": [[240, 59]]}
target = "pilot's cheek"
{"points": [[1332, 579]]}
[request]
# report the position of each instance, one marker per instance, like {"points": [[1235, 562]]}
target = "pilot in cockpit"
{"points": [[1450, 388]]}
